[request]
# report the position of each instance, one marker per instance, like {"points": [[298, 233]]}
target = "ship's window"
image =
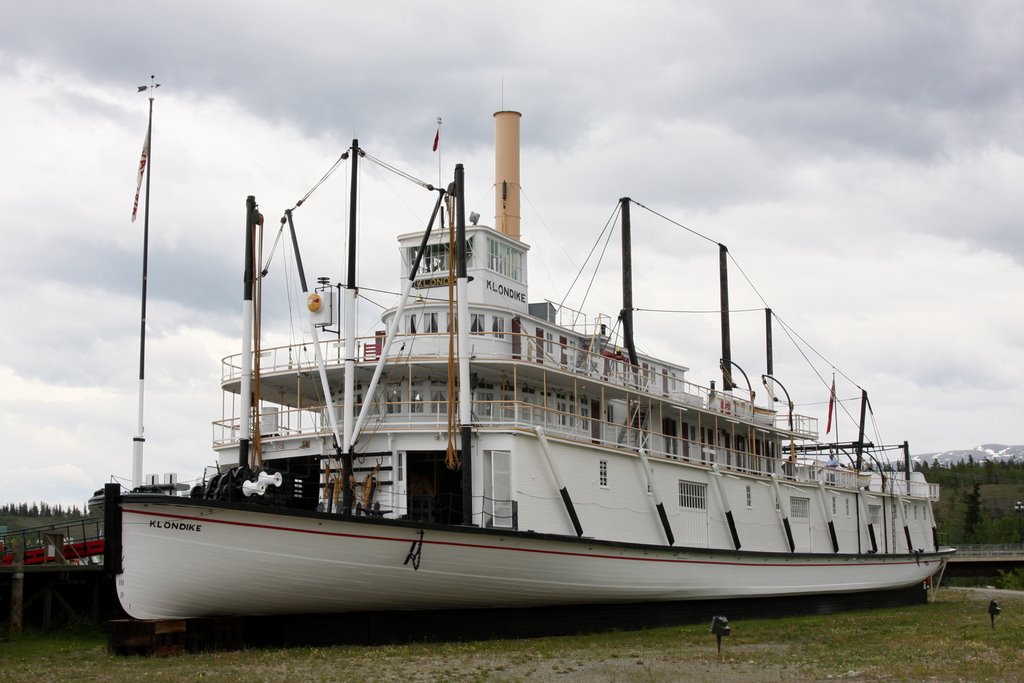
{"points": [[847, 507], [800, 508], [394, 399], [498, 327], [430, 323], [411, 327], [750, 498], [834, 506], [505, 260], [692, 495], [439, 401], [602, 467], [477, 323], [416, 404], [435, 259], [875, 514]]}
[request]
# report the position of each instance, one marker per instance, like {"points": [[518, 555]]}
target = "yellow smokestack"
{"points": [[506, 172]]}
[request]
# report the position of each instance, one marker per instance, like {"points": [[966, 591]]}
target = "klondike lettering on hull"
{"points": [[177, 526]]}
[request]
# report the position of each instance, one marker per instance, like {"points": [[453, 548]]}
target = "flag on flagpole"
{"points": [[437, 138], [831, 406], [142, 172]]}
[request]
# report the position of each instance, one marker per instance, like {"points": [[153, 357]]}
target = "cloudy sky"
{"points": [[861, 160]]}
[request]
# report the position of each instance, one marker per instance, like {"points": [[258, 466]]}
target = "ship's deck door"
{"points": [[435, 492]]}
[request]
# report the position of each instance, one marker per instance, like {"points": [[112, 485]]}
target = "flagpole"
{"points": [[139, 439], [437, 148]]}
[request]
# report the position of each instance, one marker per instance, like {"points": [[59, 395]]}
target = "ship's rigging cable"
{"points": [[608, 224], [675, 223], [330, 171], [397, 171], [554, 238], [715, 311], [790, 332]]}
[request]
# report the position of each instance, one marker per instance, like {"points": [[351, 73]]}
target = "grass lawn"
{"points": [[950, 639]]}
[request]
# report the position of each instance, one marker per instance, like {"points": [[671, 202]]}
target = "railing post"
{"points": [[17, 586]]}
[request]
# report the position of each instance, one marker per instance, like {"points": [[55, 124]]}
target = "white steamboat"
{"points": [[500, 453]]}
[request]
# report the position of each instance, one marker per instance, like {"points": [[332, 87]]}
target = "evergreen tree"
{"points": [[972, 517]]}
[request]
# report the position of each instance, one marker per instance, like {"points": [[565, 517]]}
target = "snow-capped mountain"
{"points": [[996, 452]]}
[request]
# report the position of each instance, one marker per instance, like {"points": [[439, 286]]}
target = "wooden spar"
{"points": [[827, 516], [870, 527], [320, 365], [245, 412], [392, 330], [562, 490], [902, 513], [350, 341], [649, 475], [717, 478], [627, 286], [723, 283], [783, 513], [465, 395]]}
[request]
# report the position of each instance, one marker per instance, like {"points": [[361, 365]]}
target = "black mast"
{"points": [[247, 287], [466, 428], [350, 285], [627, 284], [723, 280]]}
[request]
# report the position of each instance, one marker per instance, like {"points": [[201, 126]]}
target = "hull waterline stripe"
{"points": [[481, 546]]}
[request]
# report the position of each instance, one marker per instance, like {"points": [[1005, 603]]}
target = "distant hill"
{"points": [[996, 452]]}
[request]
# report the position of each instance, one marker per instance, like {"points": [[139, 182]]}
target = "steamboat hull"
{"points": [[195, 558]]}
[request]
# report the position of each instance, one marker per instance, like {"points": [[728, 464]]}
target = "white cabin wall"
{"points": [[540, 504]]}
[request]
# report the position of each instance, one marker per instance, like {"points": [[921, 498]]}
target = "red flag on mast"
{"points": [[831, 405], [142, 172]]}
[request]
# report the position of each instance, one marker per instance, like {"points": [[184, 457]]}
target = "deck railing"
{"points": [[606, 366], [288, 425]]}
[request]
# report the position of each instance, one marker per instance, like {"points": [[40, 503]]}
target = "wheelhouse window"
{"points": [[430, 323], [505, 260], [478, 324], [498, 327], [435, 257]]}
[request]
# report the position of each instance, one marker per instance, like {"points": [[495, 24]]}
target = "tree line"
{"points": [[979, 501], [35, 509]]}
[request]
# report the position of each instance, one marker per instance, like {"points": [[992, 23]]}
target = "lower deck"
{"points": [[794, 507]]}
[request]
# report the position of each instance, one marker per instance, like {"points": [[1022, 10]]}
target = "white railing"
{"points": [[607, 367], [432, 416], [991, 550]]}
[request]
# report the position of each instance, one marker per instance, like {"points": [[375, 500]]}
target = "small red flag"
{"points": [[437, 138], [831, 406]]}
